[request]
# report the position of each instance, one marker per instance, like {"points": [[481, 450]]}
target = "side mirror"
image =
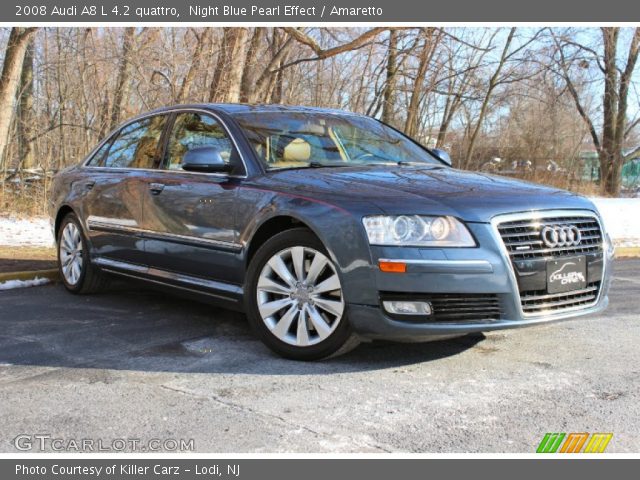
{"points": [[442, 155], [204, 159]]}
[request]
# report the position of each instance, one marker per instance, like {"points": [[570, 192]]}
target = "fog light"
{"points": [[407, 308]]}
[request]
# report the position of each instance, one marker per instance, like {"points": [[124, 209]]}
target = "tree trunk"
{"points": [[121, 94], [388, 107], [249, 75], [15, 52], [616, 89], [617, 80], [25, 108], [196, 60], [262, 87], [426, 55], [452, 105], [609, 110], [225, 86], [276, 91], [610, 173]]}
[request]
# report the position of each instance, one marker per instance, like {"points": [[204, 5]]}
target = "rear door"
{"points": [[115, 191], [190, 217]]}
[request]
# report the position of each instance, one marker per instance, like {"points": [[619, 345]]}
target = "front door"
{"points": [[189, 217]]}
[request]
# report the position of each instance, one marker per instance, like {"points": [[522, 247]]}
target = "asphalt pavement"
{"points": [[134, 364]]}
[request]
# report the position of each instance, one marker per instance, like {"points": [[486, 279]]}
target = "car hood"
{"points": [[475, 197]]}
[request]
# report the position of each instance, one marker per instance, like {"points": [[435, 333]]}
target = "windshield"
{"points": [[301, 140]]}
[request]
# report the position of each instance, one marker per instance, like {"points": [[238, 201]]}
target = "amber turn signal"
{"points": [[392, 267]]}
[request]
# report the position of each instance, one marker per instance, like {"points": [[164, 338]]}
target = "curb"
{"points": [[52, 275], [627, 252]]}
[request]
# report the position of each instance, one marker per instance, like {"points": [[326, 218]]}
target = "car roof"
{"points": [[238, 108]]}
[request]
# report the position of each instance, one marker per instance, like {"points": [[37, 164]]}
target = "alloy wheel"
{"points": [[71, 253], [299, 296]]}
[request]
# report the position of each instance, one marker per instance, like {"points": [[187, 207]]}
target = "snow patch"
{"points": [[11, 284], [621, 217], [26, 232]]}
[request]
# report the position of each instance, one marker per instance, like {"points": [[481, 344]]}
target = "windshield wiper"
{"points": [[404, 163], [322, 165], [312, 165]]}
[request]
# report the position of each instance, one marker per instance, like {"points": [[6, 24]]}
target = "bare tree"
{"points": [[14, 55], [26, 157], [251, 63], [460, 69], [121, 93], [479, 92], [494, 81], [225, 85], [429, 46], [202, 39], [389, 102], [617, 77]]}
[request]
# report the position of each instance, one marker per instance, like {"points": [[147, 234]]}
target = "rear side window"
{"points": [[193, 130], [136, 146]]}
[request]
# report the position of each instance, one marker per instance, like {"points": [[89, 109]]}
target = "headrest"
{"points": [[298, 150]]}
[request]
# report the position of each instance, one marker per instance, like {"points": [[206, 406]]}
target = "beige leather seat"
{"points": [[297, 152]]}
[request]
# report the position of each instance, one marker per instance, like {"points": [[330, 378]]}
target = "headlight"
{"points": [[417, 231]]}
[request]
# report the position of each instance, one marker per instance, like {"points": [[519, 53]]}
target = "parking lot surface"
{"points": [[134, 363]]}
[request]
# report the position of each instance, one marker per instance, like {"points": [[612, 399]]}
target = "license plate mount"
{"points": [[567, 275]]}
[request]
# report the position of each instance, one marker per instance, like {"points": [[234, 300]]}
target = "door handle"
{"points": [[89, 185], [156, 188]]}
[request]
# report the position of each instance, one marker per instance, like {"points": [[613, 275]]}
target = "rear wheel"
{"points": [[77, 272], [294, 298]]}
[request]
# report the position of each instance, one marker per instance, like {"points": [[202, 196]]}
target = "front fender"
{"points": [[339, 229]]}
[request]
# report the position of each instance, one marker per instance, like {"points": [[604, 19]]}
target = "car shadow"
{"points": [[133, 327]]}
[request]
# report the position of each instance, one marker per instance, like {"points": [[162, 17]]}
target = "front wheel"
{"points": [[294, 298]]}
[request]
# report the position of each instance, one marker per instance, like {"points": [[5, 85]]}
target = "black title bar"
{"points": [[317, 11]]}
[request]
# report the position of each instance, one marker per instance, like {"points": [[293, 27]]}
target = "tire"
{"points": [[298, 315], [78, 274]]}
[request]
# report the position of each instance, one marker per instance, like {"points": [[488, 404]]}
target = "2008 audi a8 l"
{"points": [[325, 227]]}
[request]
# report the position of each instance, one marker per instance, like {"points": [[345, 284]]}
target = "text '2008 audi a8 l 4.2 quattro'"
{"points": [[325, 227]]}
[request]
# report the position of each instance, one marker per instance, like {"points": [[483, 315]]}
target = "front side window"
{"points": [[136, 146], [192, 130], [301, 139], [98, 157]]}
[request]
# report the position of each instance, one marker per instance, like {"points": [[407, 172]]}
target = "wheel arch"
{"points": [[63, 211], [272, 226]]}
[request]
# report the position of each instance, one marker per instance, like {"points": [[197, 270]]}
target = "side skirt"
{"points": [[228, 295]]}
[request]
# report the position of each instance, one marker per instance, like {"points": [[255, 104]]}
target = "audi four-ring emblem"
{"points": [[561, 236]]}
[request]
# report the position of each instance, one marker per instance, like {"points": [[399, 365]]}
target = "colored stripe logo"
{"points": [[574, 443]]}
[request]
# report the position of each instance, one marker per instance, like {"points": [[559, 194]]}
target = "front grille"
{"points": [[523, 238], [539, 301], [528, 252]]}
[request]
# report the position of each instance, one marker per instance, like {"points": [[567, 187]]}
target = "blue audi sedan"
{"points": [[325, 227]]}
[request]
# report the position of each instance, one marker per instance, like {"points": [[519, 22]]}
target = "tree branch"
{"points": [[632, 154], [321, 53], [574, 94]]}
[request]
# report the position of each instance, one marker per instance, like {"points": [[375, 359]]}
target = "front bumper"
{"points": [[371, 322], [486, 270]]}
